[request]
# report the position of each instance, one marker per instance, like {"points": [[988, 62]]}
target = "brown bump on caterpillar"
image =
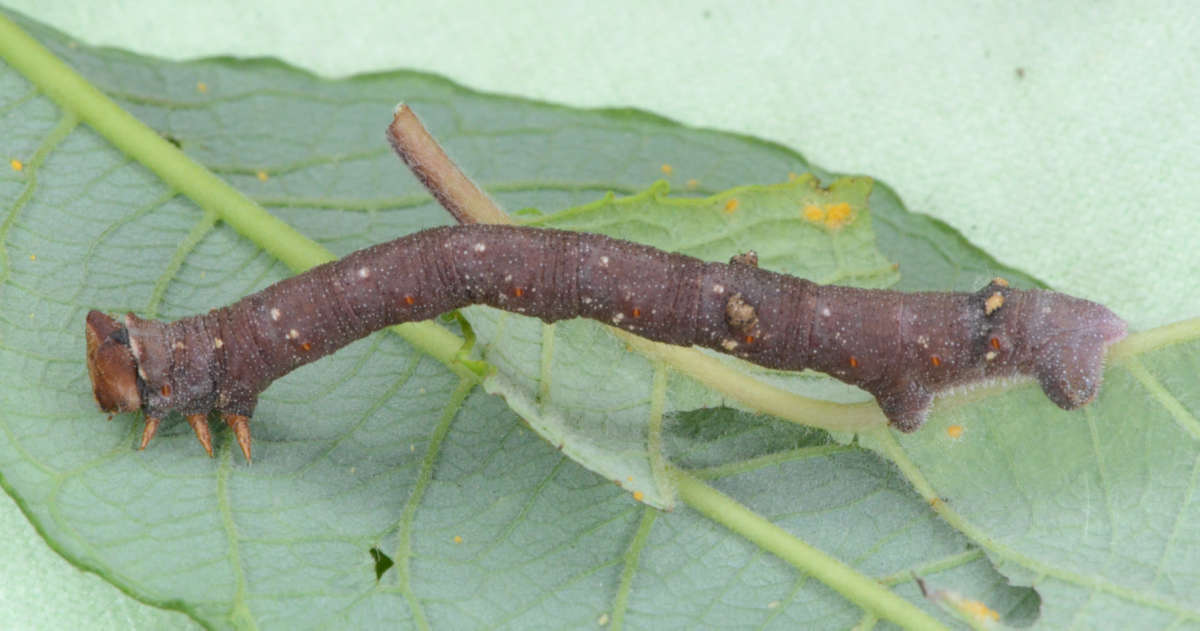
{"points": [[749, 257], [199, 423], [111, 365], [993, 303], [152, 423], [741, 315], [241, 429]]}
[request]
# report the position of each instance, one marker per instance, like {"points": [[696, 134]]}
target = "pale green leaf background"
{"points": [[1082, 170]]}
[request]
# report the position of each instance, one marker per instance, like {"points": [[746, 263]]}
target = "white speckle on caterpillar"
{"points": [[275, 314], [616, 319], [293, 334], [923, 341], [604, 261], [480, 247], [363, 272], [826, 312], [729, 345], [180, 345], [218, 342], [718, 289], [991, 355]]}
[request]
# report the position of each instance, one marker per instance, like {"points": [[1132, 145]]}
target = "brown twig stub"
{"points": [[465, 201]]}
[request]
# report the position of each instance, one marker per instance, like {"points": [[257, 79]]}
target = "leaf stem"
{"points": [[857, 588], [75, 94]]}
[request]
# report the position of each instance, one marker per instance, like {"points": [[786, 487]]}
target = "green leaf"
{"points": [[382, 452]]}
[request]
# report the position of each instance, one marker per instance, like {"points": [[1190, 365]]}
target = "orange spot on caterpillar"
{"points": [[853, 362], [639, 496], [166, 390], [815, 214], [955, 431], [995, 342], [518, 292], [637, 313], [458, 539], [16, 165], [935, 360], [732, 205], [666, 169], [838, 215], [749, 339], [306, 347], [201, 87], [408, 300], [262, 176]]}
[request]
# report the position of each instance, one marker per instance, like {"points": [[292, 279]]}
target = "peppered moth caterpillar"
{"points": [[903, 348]]}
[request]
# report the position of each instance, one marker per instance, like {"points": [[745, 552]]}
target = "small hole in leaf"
{"points": [[383, 562]]}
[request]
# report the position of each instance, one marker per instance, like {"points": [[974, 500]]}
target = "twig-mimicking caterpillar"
{"points": [[901, 347]]}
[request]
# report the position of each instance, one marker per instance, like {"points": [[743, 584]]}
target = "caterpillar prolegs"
{"points": [[903, 348]]}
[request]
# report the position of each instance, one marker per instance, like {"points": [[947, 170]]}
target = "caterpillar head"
{"points": [[111, 365]]}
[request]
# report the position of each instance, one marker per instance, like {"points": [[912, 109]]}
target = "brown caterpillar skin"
{"points": [[901, 347]]}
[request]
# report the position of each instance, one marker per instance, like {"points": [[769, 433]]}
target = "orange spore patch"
{"points": [[732, 205], [16, 165], [838, 215], [955, 431], [667, 169], [201, 87], [814, 213], [639, 496], [262, 176], [458, 539]]}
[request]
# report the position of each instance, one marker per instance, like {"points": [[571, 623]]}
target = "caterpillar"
{"points": [[902, 348]]}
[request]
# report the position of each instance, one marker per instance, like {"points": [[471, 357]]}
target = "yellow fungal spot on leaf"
{"points": [[792, 177], [458, 539], [693, 184], [262, 176], [639, 496], [978, 610], [838, 215], [813, 213], [33, 257], [955, 431], [16, 165], [201, 87], [667, 169], [732, 205]]}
